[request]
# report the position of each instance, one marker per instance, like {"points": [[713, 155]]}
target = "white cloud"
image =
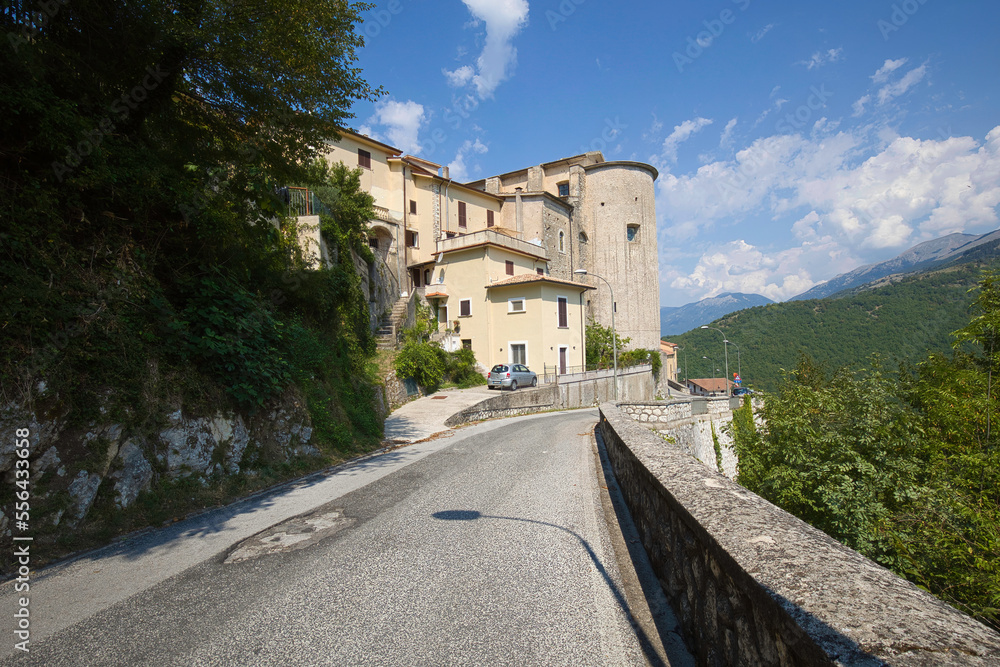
{"points": [[893, 90], [726, 139], [460, 76], [503, 19], [760, 33], [846, 196], [859, 105], [890, 66], [402, 121], [457, 168], [821, 58], [682, 133]]}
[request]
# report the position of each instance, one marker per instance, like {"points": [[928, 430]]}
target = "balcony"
{"points": [[493, 238]]}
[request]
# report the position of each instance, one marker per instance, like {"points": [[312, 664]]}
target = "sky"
{"points": [[795, 141]]}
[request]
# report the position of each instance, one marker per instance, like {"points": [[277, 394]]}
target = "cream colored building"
{"points": [[482, 248]]}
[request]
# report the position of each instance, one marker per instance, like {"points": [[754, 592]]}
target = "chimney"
{"points": [[444, 172]]}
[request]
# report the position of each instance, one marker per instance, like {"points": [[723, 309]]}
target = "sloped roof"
{"points": [[527, 278], [712, 384]]}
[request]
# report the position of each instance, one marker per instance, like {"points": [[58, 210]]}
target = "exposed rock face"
{"points": [[72, 464]]}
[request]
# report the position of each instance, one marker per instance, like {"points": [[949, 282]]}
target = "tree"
{"points": [[601, 345]]}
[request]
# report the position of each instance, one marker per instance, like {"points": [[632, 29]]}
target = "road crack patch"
{"points": [[290, 535]]}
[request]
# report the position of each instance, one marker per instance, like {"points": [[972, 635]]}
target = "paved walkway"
{"points": [[424, 417]]}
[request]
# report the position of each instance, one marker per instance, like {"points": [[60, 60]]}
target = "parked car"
{"points": [[742, 391], [511, 376]]}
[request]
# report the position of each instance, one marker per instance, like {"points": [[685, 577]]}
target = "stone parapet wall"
{"points": [[753, 585], [570, 392]]}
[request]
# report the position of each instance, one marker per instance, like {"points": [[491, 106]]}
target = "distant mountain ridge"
{"points": [[920, 257], [676, 320]]}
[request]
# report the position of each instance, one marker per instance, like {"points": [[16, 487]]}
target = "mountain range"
{"points": [[921, 257], [677, 320]]}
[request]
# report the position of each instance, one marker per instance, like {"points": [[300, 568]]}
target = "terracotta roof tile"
{"points": [[535, 278]]}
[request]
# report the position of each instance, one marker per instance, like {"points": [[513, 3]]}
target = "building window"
{"points": [[465, 308], [449, 235], [510, 267], [519, 353], [562, 241], [583, 237], [413, 207], [563, 189], [466, 343], [563, 312], [461, 214], [411, 240], [515, 305], [540, 272], [632, 232], [373, 243], [427, 276], [489, 219], [364, 159]]}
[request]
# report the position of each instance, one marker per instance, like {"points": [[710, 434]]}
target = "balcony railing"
{"points": [[490, 236], [302, 201]]}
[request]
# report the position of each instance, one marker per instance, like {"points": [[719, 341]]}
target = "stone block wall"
{"points": [[753, 585]]}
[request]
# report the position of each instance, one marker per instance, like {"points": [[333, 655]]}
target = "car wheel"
{"points": [[534, 382], [513, 385]]}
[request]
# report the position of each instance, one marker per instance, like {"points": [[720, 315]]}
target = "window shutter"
{"points": [[461, 214]]}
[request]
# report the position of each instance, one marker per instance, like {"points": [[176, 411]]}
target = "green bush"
{"points": [[424, 362], [462, 369]]}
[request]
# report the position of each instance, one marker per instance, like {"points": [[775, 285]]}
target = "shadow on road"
{"points": [[647, 646]]}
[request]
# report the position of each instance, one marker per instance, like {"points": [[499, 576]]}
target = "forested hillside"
{"points": [[149, 272], [902, 321]]}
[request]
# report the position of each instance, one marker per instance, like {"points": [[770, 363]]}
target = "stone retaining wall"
{"points": [[570, 392], [689, 423], [753, 585]]}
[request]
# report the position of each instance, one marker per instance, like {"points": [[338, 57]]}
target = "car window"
{"points": [[499, 368]]}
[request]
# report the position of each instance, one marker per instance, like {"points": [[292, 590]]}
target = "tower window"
{"points": [[563, 189], [632, 232], [562, 241]]}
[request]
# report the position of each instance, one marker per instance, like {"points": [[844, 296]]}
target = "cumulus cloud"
{"points": [[457, 168], [847, 196], [402, 122], [682, 133], [504, 19]]}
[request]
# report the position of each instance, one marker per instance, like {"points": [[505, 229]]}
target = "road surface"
{"points": [[489, 547]]}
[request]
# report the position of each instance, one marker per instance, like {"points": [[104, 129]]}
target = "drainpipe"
{"points": [[519, 213], [406, 223]]}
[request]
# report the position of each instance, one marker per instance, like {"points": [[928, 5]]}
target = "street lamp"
{"points": [[739, 367], [614, 333], [725, 344]]}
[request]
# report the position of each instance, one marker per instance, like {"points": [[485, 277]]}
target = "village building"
{"points": [[495, 258]]}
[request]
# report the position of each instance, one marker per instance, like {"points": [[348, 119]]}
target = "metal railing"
{"points": [[302, 201], [553, 373]]}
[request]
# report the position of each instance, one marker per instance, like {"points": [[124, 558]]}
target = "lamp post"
{"points": [[725, 345], [614, 333], [739, 367]]}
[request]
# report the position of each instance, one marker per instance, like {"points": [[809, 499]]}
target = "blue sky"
{"points": [[795, 140]]}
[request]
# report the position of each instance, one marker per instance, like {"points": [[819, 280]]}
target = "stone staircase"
{"points": [[387, 333]]}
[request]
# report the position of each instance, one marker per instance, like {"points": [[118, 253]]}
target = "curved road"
{"points": [[486, 548]]}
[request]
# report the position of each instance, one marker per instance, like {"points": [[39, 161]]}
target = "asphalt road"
{"points": [[486, 548]]}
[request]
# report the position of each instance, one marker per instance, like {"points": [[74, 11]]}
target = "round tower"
{"points": [[619, 220]]}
